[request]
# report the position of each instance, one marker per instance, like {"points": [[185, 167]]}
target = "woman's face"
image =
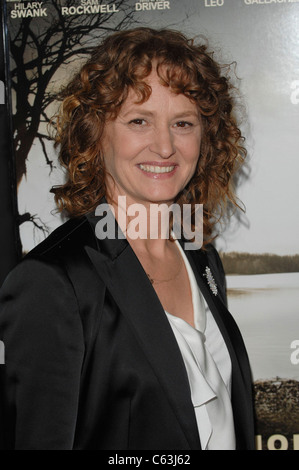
{"points": [[151, 149]]}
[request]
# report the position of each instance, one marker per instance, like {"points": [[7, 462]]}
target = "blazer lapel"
{"points": [[199, 262], [122, 273]]}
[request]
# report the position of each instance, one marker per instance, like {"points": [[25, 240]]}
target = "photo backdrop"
{"points": [[260, 248], [9, 233]]}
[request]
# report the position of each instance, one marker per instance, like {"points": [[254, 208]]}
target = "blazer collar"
{"points": [[119, 268]]}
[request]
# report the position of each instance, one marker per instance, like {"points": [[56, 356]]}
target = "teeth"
{"points": [[156, 169]]}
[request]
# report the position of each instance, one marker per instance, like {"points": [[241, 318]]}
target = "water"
{"points": [[266, 308]]}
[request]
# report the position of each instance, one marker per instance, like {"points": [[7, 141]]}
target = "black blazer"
{"points": [[91, 360]]}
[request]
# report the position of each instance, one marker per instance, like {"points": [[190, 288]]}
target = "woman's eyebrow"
{"points": [[138, 111]]}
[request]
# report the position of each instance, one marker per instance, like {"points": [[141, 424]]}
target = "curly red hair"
{"points": [[120, 63]]}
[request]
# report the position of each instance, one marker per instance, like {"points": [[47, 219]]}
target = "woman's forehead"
{"points": [[160, 97]]}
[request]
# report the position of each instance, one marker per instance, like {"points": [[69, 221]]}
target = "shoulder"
{"points": [[46, 264], [55, 283], [214, 259], [73, 235]]}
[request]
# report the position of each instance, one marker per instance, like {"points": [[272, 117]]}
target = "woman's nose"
{"points": [[163, 142]]}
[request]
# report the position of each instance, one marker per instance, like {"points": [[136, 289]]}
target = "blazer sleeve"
{"points": [[41, 329]]}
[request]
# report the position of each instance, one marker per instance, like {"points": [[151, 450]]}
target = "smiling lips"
{"points": [[156, 169]]}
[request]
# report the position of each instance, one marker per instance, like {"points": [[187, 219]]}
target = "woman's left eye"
{"points": [[183, 124]]}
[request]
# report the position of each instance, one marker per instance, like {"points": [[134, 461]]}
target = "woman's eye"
{"points": [[183, 124], [137, 122]]}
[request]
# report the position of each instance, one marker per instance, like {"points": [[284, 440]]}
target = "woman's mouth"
{"points": [[153, 169]]}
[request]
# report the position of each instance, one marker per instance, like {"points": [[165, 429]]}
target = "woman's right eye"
{"points": [[137, 122]]}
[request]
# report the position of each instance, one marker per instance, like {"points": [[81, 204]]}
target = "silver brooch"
{"points": [[211, 281]]}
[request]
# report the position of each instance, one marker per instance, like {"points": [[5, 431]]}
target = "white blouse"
{"points": [[208, 367]]}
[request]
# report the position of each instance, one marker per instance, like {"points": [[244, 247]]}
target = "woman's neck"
{"points": [[146, 225]]}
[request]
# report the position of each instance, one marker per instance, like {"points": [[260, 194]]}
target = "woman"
{"points": [[125, 342]]}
